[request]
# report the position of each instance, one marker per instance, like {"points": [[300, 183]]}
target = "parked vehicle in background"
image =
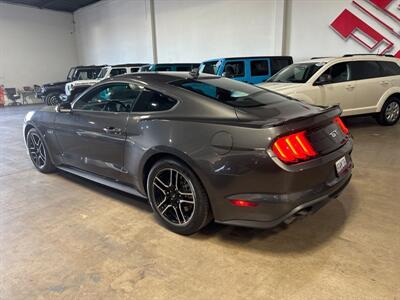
{"points": [[178, 67], [74, 88], [247, 69], [258, 158], [361, 84], [50, 92]]}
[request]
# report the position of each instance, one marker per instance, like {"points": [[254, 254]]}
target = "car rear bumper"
{"points": [[274, 209]]}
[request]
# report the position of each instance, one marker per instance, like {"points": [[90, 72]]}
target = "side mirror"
{"points": [[324, 79], [64, 107]]}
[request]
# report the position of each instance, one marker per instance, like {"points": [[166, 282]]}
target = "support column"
{"points": [[281, 9], [153, 32]]}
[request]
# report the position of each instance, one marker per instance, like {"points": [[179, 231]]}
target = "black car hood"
{"points": [[278, 112], [55, 83]]}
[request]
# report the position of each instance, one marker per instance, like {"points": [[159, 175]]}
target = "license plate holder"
{"points": [[341, 165]]}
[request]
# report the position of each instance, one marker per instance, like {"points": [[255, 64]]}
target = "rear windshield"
{"points": [[231, 92]]}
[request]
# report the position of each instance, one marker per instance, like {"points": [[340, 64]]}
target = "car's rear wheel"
{"points": [[38, 152], [177, 197], [390, 112]]}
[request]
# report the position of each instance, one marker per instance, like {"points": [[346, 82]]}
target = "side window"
{"points": [[153, 101], [339, 72], [259, 68], [210, 67], [115, 97], [134, 70], [115, 72], [163, 68], [278, 64], [364, 70], [183, 68], [389, 68], [234, 69]]}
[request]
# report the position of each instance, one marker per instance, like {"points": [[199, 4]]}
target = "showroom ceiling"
{"points": [[60, 5]]}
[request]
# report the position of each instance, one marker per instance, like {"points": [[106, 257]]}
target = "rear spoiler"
{"points": [[333, 111]]}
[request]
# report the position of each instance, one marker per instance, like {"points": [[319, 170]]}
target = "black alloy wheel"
{"points": [[38, 152], [177, 197]]}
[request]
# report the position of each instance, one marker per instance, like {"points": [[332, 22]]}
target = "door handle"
{"points": [[112, 130]]}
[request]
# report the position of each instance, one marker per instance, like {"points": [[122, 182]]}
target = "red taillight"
{"points": [[293, 148], [339, 121], [243, 203]]}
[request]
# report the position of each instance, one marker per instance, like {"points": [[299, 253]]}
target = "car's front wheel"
{"points": [[390, 112], [38, 152], [177, 197], [52, 99]]}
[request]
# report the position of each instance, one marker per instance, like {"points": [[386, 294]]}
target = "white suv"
{"points": [[361, 84], [72, 89]]}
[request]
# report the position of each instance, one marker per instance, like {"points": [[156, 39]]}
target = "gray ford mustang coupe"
{"points": [[199, 147]]}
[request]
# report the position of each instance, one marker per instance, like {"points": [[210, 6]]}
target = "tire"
{"points": [[390, 112], [52, 99], [38, 152], [183, 210]]}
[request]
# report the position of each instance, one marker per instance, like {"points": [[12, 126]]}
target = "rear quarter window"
{"points": [[259, 68], [389, 68], [278, 64], [152, 101]]}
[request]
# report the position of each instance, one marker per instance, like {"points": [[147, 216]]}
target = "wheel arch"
{"points": [[394, 92], [182, 158], [28, 127]]}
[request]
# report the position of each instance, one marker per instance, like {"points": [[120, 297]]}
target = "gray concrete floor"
{"points": [[62, 237]]}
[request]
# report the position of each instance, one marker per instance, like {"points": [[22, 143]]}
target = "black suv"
{"points": [[50, 92]]}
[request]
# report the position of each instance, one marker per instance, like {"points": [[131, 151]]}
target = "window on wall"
{"points": [[364, 70], [115, 97], [259, 68], [151, 101], [389, 68], [234, 68]]}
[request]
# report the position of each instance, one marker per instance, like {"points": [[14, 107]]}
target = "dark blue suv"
{"points": [[247, 69]]}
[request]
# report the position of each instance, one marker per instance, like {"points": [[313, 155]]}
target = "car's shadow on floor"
{"points": [[135, 201], [305, 234]]}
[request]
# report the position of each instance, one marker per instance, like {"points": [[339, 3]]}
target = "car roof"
{"points": [[161, 77], [249, 57], [173, 64], [350, 58], [130, 65]]}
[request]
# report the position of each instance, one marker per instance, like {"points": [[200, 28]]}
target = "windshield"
{"points": [[210, 67], [231, 92], [296, 73], [102, 73], [70, 73]]}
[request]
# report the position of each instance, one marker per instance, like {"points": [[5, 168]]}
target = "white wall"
{"points": [[117, 31], [309, 33], [36, 46], [114, 31], [192, 31]]}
